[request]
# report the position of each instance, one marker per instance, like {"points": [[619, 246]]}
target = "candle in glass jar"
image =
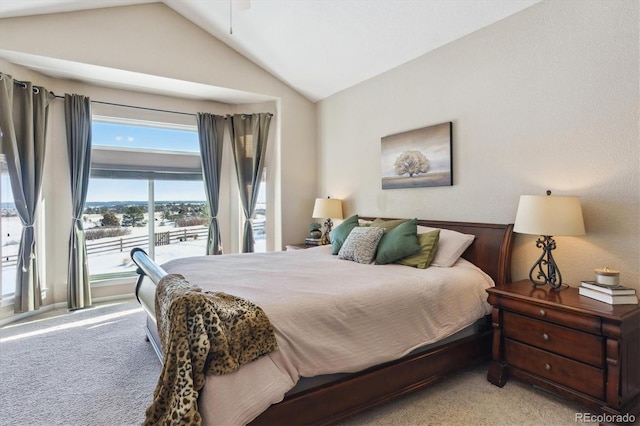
{"points": [[606, 276]]}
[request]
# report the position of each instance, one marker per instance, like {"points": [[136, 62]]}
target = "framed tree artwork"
{"points": [[418, 158]]}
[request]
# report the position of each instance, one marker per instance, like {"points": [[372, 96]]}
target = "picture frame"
{"points": [[418, 158]]}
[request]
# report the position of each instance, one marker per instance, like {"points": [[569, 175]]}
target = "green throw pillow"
{"points": [[340, 233], [387, 225], [428, 247], [398, 243]]}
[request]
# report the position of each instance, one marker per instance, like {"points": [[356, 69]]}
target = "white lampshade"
{"points": [[327, 208], [549, 215]]}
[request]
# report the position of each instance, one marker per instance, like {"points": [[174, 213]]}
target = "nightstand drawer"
{"points": [[565, 341], [570, 319], [576, 375]]}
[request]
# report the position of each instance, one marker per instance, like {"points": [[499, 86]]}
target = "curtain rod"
{"points": [[145, 108], [35, 88], [23, 84], [134, 106]]}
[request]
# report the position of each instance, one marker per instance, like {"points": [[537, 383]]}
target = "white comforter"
{"points": [[329, 316]]}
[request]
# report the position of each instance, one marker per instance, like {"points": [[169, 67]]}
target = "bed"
{"points": [[315, 395]]}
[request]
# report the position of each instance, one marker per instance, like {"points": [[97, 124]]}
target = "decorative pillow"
{"points": [[428, 246], [339, 234], [398, 242], [361, 244], [387, 225], [451, 245]]}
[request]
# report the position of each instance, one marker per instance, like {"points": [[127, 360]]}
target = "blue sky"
{"points": [[124, 135], [136, 190], [5, 189]]}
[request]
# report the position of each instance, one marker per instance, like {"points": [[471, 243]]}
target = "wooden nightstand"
{"points": [[576, 347]]}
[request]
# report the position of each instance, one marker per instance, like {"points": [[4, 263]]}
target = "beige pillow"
{"points": [[451, 245]]}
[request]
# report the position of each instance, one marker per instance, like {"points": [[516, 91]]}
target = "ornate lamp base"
{"points": [[328, 225], [552, 274]]}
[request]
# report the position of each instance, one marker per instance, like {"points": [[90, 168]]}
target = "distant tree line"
{"points": [[182, 214], [159, 207]]}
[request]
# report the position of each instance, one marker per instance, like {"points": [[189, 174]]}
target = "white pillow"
{"points": [[361, 244], [451, 245]]}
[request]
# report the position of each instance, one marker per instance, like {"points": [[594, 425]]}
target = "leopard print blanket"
{"points": [[201, 333]]}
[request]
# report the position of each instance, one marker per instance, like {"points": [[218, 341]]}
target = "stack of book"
{"points": [[312, 241], [613, 295]]}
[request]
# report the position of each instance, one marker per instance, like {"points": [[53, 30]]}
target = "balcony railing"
{"points": [[122, 244], [125, 244]]}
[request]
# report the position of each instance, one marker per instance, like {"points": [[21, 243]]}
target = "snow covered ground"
{"points": [[108, 262]]}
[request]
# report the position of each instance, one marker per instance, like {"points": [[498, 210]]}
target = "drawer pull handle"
{"points": [[545, 336], [542, 312], [547, 367]]}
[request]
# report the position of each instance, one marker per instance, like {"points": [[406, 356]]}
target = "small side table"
{"points": [[574, 346]]}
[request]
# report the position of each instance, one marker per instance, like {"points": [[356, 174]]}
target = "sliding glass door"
{"points": [[145, 191]]}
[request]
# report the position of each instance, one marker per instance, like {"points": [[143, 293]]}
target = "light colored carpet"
{"points": [[94, 367], [88, 367], [467, 398]]}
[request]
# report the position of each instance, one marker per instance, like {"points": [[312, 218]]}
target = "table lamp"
{"points": [[548, 215], [327, 208]]}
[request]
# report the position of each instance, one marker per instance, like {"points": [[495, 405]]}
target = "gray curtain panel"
{"points": [[211, 135], [23, 123], [77, 113], [249, 134]]}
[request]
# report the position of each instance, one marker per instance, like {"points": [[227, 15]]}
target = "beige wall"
{"points": [[546, 99], [160, 42]]}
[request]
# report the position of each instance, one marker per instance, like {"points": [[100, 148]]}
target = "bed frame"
{"points": [[334, 401]]}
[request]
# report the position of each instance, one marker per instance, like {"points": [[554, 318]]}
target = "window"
{"points": [[10, 231], [146, 191], [260, 219]]}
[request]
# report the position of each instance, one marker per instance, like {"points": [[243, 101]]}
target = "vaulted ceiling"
{"points": [[318, 47]]}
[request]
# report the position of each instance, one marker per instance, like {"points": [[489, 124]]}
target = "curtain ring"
{"points": [[36, 90]]}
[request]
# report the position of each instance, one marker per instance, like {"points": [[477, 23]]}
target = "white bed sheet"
{"points": [[329, 316]]}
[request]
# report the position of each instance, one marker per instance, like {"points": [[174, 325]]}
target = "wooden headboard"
{"points": [[490, 250]]}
